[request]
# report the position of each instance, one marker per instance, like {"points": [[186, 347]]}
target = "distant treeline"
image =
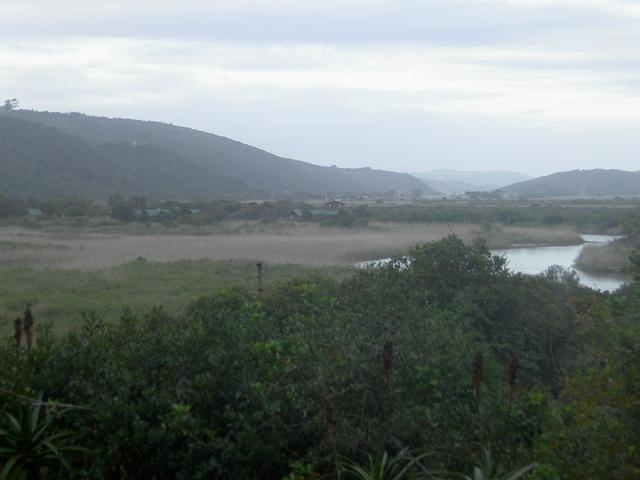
{"points": [[593, 216], [138, 209], [584, 217]]}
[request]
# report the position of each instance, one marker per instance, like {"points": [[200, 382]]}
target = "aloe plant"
{"points": [[480, 474], [29, 444], [485, 471], [385, 467]]}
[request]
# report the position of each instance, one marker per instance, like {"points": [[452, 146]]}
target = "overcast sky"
{"points": [[406, 85]]}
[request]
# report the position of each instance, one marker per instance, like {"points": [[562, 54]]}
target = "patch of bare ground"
{"points": [[283, 242]]}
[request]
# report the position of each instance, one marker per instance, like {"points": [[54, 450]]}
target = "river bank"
{"points": [[612, 257], [534, 260]]}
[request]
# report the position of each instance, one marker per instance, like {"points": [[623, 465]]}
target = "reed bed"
{"points": [[288, 243], [612, 257]]}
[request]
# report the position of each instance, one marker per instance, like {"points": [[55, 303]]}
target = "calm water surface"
{"points": [[534, 260]]}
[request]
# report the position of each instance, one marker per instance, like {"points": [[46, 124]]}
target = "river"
{"points": [[534, 260]]}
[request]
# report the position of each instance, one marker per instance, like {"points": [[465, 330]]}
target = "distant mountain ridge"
{"points": [[459, 181], [580, 183], [48, 154], [454, 187], [481, 178]]}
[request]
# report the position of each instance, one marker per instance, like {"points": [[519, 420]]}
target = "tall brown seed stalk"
{"points": [[28, 328], [477, 368], [17, 324], [512, 377]]}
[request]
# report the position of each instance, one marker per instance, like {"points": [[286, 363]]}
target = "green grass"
{"points": [[60, 296], [5, 245], [9, 245]]}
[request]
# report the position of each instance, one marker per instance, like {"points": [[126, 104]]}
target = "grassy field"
{"points": [[65, 271], [60, 296]]}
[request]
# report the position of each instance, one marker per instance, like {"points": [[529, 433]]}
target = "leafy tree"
{"points": [[9, 208], [10, 104]]}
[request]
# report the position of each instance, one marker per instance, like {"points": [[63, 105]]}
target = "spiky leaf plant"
{"points": [[485, 471], [29, 444], [401, 466]]}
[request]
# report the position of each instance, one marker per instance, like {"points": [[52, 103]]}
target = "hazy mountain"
{"points": [[198, 164], [475, 180], [41, 161], [580, 183], [454, 188]]}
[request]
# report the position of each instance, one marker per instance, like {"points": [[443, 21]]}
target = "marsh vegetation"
{"points": [[280, 242], [63, 272], [612, 257], [442, 360]]}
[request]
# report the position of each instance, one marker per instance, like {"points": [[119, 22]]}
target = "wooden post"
{"points": [[18, 335], [27, 323], [259, 265]]}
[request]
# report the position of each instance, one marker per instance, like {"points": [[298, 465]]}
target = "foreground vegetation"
{"points": [[427, 368]]}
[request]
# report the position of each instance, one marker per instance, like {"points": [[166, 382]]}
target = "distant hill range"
{"points": [[457, 181], [579, 183], [44, 154]]}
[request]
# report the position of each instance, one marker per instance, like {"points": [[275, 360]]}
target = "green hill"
{"points": [[71, 153], [41, 161], [580, 183]]}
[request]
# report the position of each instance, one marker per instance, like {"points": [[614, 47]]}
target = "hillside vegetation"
{"points": [[40, 161], [580, 183], [47, 154]]}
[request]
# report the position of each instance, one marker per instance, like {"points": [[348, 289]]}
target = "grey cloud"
{"points": [[174, 55], [447, 22]]}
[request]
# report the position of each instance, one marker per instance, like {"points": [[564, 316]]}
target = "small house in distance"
{"points": [[34, 212], [296, 214], [151, 212]]}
